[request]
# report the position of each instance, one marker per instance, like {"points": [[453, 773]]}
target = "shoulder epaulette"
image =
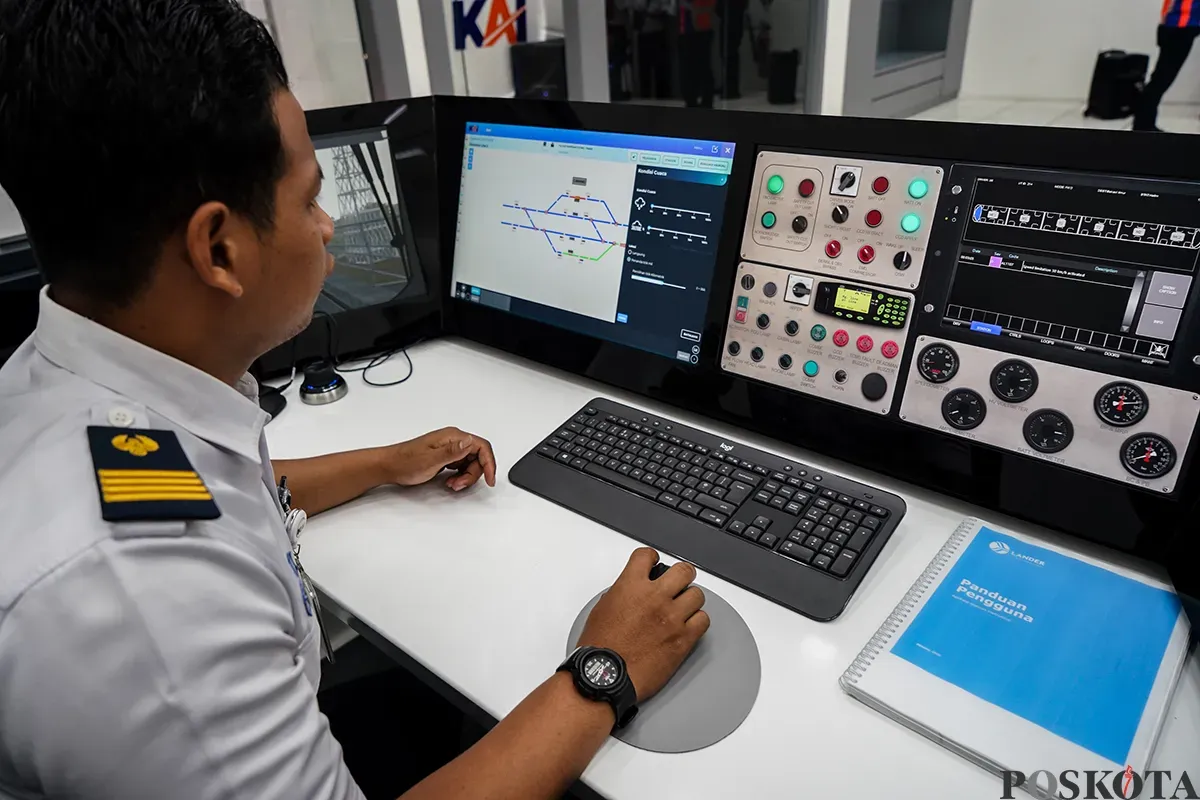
{"points": [[145, 475]]}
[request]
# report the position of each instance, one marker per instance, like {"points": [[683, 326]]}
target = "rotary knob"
{"points": [[833, 248], [903, 260], [840, 214], [799, 224]]}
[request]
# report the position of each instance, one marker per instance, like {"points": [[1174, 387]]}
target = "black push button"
{"points": [[762, 497], [778, 502], [814, 514], [762, 522], [737, 526], [712, 517], [822, 561], [793, 508], [846, 526], [719, 506], [853, 515], [768, 540], [814, 543], [822, 531], [752, 533], [830, 493], [862, 505], [738, 492], [860, 539], [839, 538], [842, 564], [798, 552], [872, 522], [845, 499], [688, 507], [879, 511], [668, 499], [547, 451], [746, 477]]}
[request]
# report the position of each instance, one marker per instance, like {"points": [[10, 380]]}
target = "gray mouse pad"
{"points": [[711, 694]]}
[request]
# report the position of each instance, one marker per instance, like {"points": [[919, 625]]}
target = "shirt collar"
{"points": [[194, 400]]}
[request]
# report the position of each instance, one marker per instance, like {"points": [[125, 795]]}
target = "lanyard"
{"points": [[294, 520]]}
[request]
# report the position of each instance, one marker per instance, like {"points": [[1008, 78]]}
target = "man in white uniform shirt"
{"points": [[156, 640]]}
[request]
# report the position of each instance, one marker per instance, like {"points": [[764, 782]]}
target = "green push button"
{"points": [[775, 184], [910, 223], [768, 219], [811, 368], [817, 333], [918, 188], [743, 301]]}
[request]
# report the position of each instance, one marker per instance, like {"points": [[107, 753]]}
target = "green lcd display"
{"points": [[849, 299]]}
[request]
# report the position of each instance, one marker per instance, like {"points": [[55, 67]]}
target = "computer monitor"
{"points": [[609, 235]]}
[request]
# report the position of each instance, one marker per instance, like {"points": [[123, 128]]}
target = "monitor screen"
{"points": [[359, 192], [607, 234]]}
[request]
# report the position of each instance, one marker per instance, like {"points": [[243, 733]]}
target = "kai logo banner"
{"points": [[500, 19]]}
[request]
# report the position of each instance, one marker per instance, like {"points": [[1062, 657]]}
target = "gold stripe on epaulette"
{"points": [[171, 496], [154, 488], [115, 482], [146, 473]]}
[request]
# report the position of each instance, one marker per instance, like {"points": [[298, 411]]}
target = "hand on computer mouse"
{"points": [[653, 625]]}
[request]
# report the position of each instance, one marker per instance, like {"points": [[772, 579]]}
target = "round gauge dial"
{"points": [[963, 409], [1122, 404], [1048, 431], [1014, 381], [601, 671], [937, 363], [1148, 455]]}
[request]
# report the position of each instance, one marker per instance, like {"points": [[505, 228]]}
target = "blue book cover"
{"points": [[1071, 647]]}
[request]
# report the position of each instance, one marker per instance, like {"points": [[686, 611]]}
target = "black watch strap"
{"points": [[622, 695]]}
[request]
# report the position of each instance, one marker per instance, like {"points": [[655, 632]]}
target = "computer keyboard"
{"points": [[794, 534]]}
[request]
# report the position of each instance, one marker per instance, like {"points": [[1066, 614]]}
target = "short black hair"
{"points": [[119, 118]]}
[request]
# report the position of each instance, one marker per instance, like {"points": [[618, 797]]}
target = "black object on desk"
{"points": [[781, 529]]}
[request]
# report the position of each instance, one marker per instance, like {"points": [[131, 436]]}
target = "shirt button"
{"points": [[121, 418]]}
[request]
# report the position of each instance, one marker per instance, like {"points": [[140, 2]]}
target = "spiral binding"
{"points": [[900, 613]]}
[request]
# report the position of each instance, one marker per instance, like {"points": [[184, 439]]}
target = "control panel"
{"points": [[835, 339], [1127, 430], [840, 216]]}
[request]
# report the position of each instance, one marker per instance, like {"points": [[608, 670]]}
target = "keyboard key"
{"points": [[712, 517], [604, 449], [830, 493], [778, 502], [645, 452], [678, 477], [793, 508], [724, 481], [809, 487], [658, 458], [814, 543], [853, 515], [762, 522], [688, 494], [771, 486], [590, 455], [661, 448], [578, 450], [691, 482], [830, 520], [862, 505], [821, 561], [649, 478], [745, 477], [846, 526], [738, 492], [614, 418], [794, 482], [761, 470], [564, 457], [547, 450], [673, 451], [879, 511], [860, 539], [676, 487], [802, 498], [752, 533], [779, 477], [842, 564], [823, 531], [805, 525], [845, 499], [871, 522], [688, 507], [768, 540], [697, 472], [621, 480], [710, 476], [555, 442], [624, 469], [762, 497], [716, 505], [830, 549], [718, 492], [629, 458], [675, 440], [662, 483], [839, 538], [838, 510], [814, 514], [591, 412], [786, 492], [668, 499], [689, 445], [704, 487], [640, 463], [725, 469], [710, 464], [793, 550], [637, 474], [737, 526], [798, 536], [702, 450], [822, 503], [573, 427]]}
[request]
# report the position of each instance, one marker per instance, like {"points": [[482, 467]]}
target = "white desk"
{"points": [[482, 588]]}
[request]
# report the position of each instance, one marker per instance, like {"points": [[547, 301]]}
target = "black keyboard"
{"points": [[781, 529]]}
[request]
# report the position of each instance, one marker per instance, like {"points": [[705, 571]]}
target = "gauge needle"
{"points": [[1150, 453]]}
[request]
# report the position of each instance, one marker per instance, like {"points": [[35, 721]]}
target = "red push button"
{"points": [[866, 254], [865, 343], [833, 248], [889, 349], [740, 315], [880, 185], [807, 187], [841, 338], [874, 217]]}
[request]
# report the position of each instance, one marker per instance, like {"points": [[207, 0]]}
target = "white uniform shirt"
{"points": [[150, 659]]}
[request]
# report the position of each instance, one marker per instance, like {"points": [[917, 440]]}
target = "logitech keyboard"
{"points": [[796, 535]]}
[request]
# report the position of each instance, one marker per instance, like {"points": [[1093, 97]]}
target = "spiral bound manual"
{"points": [[991, 603], [910, 601]]}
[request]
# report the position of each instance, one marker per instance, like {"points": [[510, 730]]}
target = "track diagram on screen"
{"points": [[575, 226], [656, 212]]}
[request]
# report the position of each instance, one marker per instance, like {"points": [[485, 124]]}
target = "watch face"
{"points": [[601, 671]]}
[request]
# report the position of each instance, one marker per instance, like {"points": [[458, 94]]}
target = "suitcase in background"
{"points": [[1117, 83]]}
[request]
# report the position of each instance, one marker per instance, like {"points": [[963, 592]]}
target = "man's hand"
{"points": [[469, 457], [653, 625]]}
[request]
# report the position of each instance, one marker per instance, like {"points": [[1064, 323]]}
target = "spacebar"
{"points": [[624, 481]]}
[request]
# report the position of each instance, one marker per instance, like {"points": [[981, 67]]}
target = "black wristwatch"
{"points": [[601, 675]]}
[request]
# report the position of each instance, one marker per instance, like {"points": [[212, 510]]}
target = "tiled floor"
{"points": [[1058, 113]]}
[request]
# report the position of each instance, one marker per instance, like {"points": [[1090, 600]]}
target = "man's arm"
{"points": [[549, 739], [322, 482]]}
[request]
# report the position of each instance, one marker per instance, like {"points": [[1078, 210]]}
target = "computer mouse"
{"points": [[657, 571]]}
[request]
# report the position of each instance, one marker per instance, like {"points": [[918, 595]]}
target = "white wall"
{"points": [[1046, 49], [486, 71]]}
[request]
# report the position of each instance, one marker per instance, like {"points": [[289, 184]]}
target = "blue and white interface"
{"points": [[610, 235]]}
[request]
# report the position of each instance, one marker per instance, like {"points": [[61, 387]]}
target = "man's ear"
{"points": [[214, 234]]}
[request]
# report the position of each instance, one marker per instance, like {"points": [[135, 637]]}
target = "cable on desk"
{"points": [[382, 359]]}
